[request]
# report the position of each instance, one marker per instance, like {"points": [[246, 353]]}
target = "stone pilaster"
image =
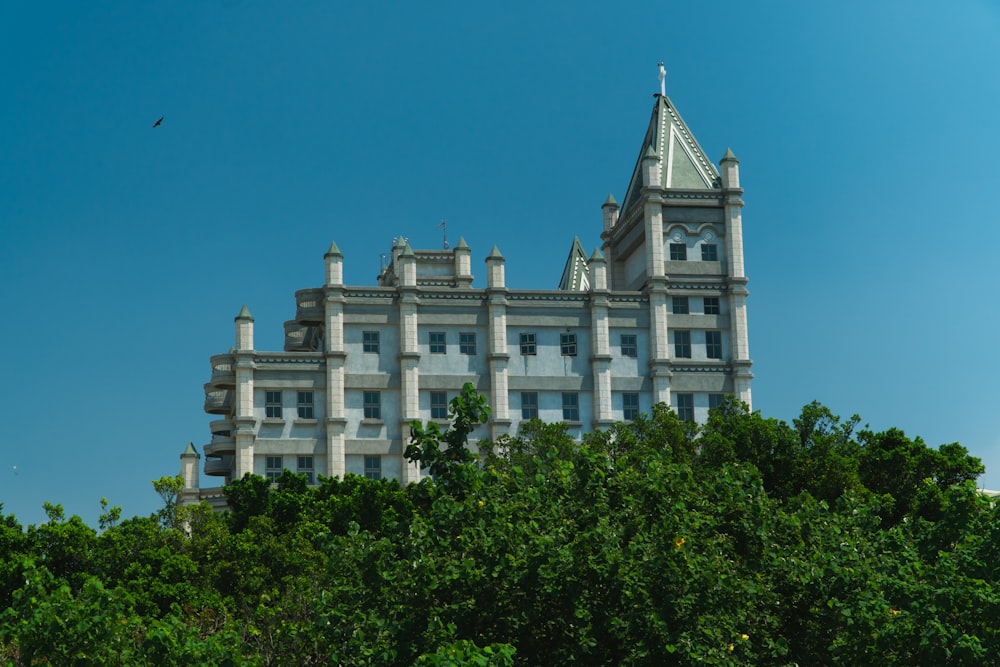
{"points": [[463, 264], [498, 355], [243, 419], [600, 359], [739, 341], [336, 360]]}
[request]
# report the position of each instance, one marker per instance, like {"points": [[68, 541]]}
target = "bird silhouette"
{"points": [[157, 123]]}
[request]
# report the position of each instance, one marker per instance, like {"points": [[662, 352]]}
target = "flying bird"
{"points": [[157, 123]]}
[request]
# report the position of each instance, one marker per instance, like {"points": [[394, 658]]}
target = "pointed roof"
{"points": [[575, 276], [683, 164]]}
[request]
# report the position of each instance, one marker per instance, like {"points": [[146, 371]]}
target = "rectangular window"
{"points": [[712, 305], [369, 341], [373, 467], [714, 400], [713, 344], [439, 405], [630, 405], [629, 346], [571, 406], [373, 405], [685, 407], [527, 344], [467, 343], [679, 305], [567, 344], [678, 251], [529, 405], [306, 468], [305, 405], [272, 404], [273, 468], [682, 344], [437, 340], [709, 252]]}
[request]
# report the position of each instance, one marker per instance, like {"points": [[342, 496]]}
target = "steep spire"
{"points": [[575, 277], [683, 162]]}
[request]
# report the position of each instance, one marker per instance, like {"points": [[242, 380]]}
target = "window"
{"points": [[630, 405], [713, 344], [679, 305], [369, 341], [272, 468], [373, 405], [714, 400], [682, 344], [306, 468], [438, 345], [685, 407], [629, 346], [305, 405], [712, 305], [567, 344], [709, 252], [373, 467], [272, 404], [467, 343], [439, 405], [678, 251], [529, 405], [527, 344], [571, 406]]}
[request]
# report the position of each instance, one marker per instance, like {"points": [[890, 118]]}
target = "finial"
{"points": [[663, 75], [444, 233]]}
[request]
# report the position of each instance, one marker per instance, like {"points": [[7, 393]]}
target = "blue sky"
{"points": [[867, 135]]}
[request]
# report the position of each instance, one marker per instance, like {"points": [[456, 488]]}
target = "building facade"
{"points": [[656, 313]]}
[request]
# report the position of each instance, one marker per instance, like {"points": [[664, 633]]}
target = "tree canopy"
{"points": [[745, 541]]}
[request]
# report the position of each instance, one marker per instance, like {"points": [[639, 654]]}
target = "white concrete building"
{"points": [[656, 314]]}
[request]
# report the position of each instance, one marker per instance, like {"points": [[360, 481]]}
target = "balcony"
{"points": [[220, 445], [221, 427], [219, 467], [223, 374], [309, 306], [218, 401]]}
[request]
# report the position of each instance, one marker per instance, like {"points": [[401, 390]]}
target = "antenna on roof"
{"points": [[663, 75], [444, 234]]}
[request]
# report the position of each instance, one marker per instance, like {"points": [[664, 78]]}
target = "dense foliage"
{"points": [[746, 541]]}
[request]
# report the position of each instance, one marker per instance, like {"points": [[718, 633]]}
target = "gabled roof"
{"points": [[575, 276], [683, 164]]}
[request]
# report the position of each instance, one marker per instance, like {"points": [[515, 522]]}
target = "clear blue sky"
{"points": [[867, 134]]}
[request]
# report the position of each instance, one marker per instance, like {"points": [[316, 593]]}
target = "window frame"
{"points": [[715, 400], [467, 342], [715, 308], [371, 402], [629, 348], [709, 252], [685, 406], [305, 409], [678, 252], [439, 407], [272, 472], [272, 404], [682, 344], [568, 344], [437, 342], [680, 305], [713, 344], [571, 406], [630, 405], [529, 344], [529, 405], [371, 342], [306, 466], [373, 467]]}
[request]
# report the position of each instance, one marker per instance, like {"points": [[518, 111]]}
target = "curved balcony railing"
{"points": [[221, 427], [309, 306], [220, 445], [218, 401], [219, 467], [223, 374]]}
